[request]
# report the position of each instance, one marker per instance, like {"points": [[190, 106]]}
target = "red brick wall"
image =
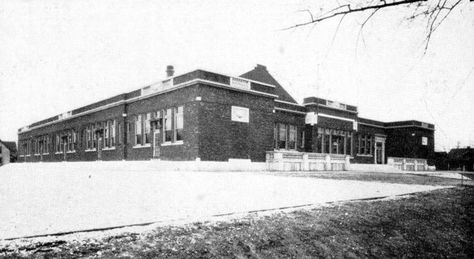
{"points": [[220, 138]]}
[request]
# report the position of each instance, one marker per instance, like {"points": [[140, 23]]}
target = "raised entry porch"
{"points": [[304, 161]]}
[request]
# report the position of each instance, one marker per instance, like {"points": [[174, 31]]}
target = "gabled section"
{"points": [[260, 73]]}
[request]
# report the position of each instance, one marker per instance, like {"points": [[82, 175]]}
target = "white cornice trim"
{"points": [[243, 78], [100, 108], [285, 102], [330, 107], [336, 117], [134, 99], [408, 126], [236, 89], [371, 125], [287, 110]]}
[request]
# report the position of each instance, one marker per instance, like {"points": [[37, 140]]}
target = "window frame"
{"points": [[178, 129]]}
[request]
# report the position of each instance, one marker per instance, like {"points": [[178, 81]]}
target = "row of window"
{"points": [[63, 141], [41, 145], [169, 122], [103, 133], [365, 144], [332, 141], [285, 136]]}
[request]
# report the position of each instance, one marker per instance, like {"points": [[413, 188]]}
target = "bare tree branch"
{"points": [[332, 14], [435, 12], [361, 33]]}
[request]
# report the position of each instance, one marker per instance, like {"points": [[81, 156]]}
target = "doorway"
{"points": [[378, 153], [379, 157], [156, 144]]}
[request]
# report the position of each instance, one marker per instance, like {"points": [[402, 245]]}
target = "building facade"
{"points": [[208, 116], [7, 152]]}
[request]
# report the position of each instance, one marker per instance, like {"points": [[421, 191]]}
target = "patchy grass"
{"points": [[380, 177], [435, 224]]}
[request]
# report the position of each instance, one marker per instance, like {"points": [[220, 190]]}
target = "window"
{"points": [[112, 133], [275, 135], [147, 128], [178, 123], [57, 144], [36, 146], [365, 145], [292, 137], [119, 139], [302, 138], [61, 142], [348, 149], [333, 141], [167, 126], [70, 143], [138, 129], [94, 136], [89, 143], [338, 142], [285, 136], [319, 141], [362, 144], [107, 134], [369, 145], [327, 141], [282, 136]]}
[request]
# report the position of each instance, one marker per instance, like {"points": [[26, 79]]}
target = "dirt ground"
{"points": [[435, 224], [52, 199]]}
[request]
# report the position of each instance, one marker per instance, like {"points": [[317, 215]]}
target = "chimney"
{"points": [[169, 71], [262, 67]]}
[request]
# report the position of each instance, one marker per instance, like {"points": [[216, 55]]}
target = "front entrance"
{"points": [[156, 143], [41, 149], [64, 143], [99, 134], [379, 157], [378, 153], [99, 148]]}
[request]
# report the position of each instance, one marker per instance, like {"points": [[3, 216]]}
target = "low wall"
{"points": [[233, 165], [301, 161], [408, 164]]}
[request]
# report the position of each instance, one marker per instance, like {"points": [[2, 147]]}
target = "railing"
{"points": [[301, 161], [408, 164]]}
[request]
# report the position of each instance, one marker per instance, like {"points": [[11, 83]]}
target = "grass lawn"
{"points": [[380, 177], [433, 224]]}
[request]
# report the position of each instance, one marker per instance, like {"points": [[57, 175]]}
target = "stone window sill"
{"points": [[176, 143], [361, 155], [142, 146]]}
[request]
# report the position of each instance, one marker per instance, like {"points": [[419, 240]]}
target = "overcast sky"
{"points": [[59, 55]]}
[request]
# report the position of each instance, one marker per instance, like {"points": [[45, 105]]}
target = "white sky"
{"points": [[59, 55]]}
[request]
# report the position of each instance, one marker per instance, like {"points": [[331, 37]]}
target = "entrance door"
{"points": [[41, 150], [156, 143], [99, 148], [378, 153], [64, 149]]}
